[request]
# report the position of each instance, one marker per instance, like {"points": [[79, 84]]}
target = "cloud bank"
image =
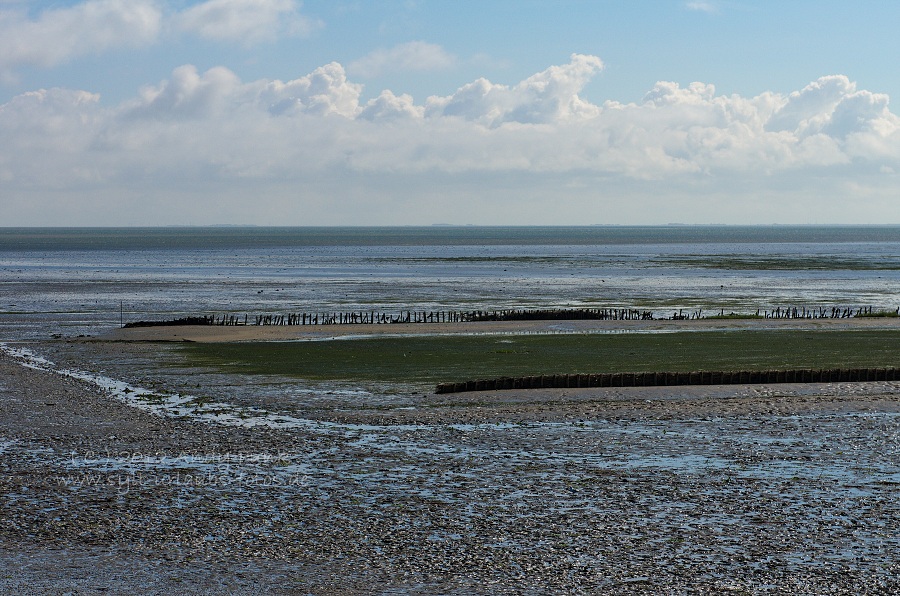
{"points": [[289, 138]]}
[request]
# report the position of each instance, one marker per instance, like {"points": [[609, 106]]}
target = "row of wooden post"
{"points": [[450, 316], [819, 313], [599, 314], [793, 312], [457, 316]]}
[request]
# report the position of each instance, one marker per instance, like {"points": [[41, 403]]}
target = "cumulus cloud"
{"points": [[808, 110], [326, 90], [860, 112], [406, 57], [55, 36], [219, 94], [198, 129], [60, 34], [245, 21], [388, 106], [187, 93], [546, 96]]}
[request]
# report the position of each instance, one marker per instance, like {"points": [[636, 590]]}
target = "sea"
{"points": [[84, 281]]}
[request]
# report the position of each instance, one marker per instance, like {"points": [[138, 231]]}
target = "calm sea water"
{"points": [[81, 281]]}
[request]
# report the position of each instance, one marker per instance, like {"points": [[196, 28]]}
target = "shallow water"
{"points": [[84, 282], [81, 281]]}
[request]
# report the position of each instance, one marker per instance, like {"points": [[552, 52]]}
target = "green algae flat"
{"points": [[430, 359]]}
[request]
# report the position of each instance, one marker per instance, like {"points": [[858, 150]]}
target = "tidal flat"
{"points": [[746, 489], [140, 461]]}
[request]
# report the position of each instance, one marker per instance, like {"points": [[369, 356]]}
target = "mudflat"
{"points": [[754, 489]]}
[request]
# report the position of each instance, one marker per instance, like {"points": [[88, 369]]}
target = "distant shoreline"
{"points": [[24, 238]]}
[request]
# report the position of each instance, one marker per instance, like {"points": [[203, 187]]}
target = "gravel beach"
{"points": [[741, 489]]}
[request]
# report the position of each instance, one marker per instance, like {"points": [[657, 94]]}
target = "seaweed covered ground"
{"points": [[430, 359]]}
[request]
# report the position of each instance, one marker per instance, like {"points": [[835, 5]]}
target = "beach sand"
{"points": [[743, 489]]}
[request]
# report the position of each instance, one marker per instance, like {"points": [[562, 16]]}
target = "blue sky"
{"points": [[116, 112]]}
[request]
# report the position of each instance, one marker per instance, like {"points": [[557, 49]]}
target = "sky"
{"points": [[381, 112]]}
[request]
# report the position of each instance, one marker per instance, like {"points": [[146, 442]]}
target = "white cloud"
{"points": [[245, 21], [60, 34], [311, 140], [861, 112], [407, 57], [187, 94], [388, 106], [709, 7], [326, 90], [546, 96], [55, 36], [58, 124], [808, 110]]}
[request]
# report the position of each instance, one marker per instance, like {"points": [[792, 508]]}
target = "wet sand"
{"points": [[755, 489]]}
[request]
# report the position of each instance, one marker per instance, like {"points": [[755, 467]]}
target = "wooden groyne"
{"points": [[374, 317], [673, 379], [453, 316], [553, 314], [201, 320]]}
